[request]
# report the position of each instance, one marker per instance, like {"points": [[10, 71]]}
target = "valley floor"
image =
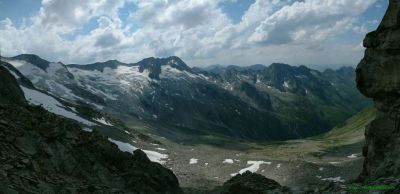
{"points": [[293, 163], [200, 167], [203, 167]]}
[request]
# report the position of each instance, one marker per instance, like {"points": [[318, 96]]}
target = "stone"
{"points": [[140, 156], [25, 161], [26, 145], [252, 183], [7, 167]]}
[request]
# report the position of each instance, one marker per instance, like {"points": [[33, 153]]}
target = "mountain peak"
{"points": [[280, 65], [347, 69], [154, 65], [178, 63], [173, 61], [99, 66], [33, 59]]}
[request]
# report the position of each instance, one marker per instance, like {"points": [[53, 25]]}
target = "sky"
{"points": [[201, 32]]}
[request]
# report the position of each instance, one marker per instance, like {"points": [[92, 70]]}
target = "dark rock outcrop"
{"points": [[33, 59], [43, 153], [378, 77], [153, 65], [252, 183], [10, 92]]}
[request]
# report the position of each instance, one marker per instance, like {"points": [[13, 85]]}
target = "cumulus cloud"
{"points": [[199, 31], [310, 20], [184, 13], [71, 14]]}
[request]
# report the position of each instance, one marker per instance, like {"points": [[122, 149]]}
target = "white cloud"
{"points": [[198, 31], [71, 14], [310, 19]]}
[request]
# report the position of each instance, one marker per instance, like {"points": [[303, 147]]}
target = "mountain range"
{"points": [[257, 102]]}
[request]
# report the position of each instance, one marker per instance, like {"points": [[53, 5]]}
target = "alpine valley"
{"points": [[160, 126], [258, 103], [275, 120]]}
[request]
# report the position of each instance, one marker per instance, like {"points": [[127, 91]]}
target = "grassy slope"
{"points": [[351, 130]]}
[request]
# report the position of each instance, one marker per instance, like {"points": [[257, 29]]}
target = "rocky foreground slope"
{"points": [[44, 153]]}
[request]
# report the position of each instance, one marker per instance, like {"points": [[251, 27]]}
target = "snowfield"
{"points": [[52, 105], [52, 80]]}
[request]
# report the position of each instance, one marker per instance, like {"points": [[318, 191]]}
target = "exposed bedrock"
{"points": [[378, 77]]}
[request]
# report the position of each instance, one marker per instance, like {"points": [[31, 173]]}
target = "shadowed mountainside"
{"points": [[45, 153]]}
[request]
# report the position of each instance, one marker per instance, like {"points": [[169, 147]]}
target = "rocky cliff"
{"points": [[378, 77], [41, 152]]}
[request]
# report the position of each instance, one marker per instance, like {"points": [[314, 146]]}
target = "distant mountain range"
{"points": [[319, 67], [254, 102]]}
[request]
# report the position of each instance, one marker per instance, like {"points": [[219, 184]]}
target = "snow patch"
{"points": [[255, 165], [193, 161], [286, 84], [87, 129], [127, 147], [155, 156], [334, 179], [352, 156], [102, 120], [228, 161]]}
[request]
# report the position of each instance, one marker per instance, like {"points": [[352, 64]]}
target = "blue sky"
{"points": [[201, 32]]}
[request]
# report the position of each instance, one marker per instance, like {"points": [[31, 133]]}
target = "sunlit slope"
{"points": [[353, 128]]}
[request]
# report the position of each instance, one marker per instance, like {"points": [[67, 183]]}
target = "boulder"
{"points": [[252, 183]]}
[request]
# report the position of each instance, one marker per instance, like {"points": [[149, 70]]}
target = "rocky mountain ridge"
{"points": [[255, 103]]}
